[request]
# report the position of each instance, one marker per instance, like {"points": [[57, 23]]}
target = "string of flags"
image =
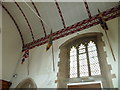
{"points": [[25, 56]]}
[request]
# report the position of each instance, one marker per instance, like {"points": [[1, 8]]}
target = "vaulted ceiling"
{"points": [[55, 15]]}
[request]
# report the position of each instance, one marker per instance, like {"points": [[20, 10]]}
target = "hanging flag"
{"points": [[50, 41], [25, 56], [102, 21], [105, 27]]}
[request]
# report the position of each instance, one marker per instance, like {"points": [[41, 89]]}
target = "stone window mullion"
{"points": [[78, 71], [88, 61]]}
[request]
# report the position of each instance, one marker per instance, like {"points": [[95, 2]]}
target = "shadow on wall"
{"points": [[27, 83]]}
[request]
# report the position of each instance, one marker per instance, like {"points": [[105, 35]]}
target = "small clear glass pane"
{"points": [[73, 62], [83, 65], [93, 58]]}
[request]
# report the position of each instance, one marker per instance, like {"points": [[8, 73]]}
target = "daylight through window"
{"points": [[84, 60]]}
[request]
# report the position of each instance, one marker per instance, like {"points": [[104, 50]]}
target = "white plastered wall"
{"points": [[41, 61], [11, 46], [113, 36]]}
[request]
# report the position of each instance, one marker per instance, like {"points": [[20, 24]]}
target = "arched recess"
{"points": [[27, 83], [63, 73]]}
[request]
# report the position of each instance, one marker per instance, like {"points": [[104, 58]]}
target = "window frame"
{"points": [[63, 67], [76, 43]]}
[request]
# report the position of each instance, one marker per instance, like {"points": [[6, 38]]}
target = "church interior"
{"points": [[59, 44]]}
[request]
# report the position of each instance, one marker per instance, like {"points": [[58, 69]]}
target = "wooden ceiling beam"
{"points": [[39, 16], [89, 22], [87, 9], [60, 13], [15, 24], [26, 20]]}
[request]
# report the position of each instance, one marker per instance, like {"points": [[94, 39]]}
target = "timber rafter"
{"points": [[89, 22]]}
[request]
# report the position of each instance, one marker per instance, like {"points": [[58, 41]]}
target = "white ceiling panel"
{"points": [[50, 15], [34, 21], [102, 6], [73, 12], [12, 8]]}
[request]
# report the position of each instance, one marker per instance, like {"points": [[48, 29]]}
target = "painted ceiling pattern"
{"points": [[63, 18]]}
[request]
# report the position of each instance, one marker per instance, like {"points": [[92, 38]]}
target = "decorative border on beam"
{"points": [[14, 23], [109, 14], [26, 20], [60, 13], [87, 9], [39, 16]]}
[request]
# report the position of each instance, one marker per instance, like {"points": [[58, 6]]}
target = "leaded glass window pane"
{"points": [[83, 65], [84, 60], [73, 62], [93, 58]]}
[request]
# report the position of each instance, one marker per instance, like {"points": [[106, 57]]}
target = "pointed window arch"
{"points": [[84, 60], [86, 51]]}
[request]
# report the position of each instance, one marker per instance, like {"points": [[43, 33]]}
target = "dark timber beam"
{"points": [[89, 22], [39, 16], [14, 23], [26, 20], [60, 13], [87, 9]]}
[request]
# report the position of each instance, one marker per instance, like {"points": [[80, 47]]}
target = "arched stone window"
{"points": [[83, 58]]}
